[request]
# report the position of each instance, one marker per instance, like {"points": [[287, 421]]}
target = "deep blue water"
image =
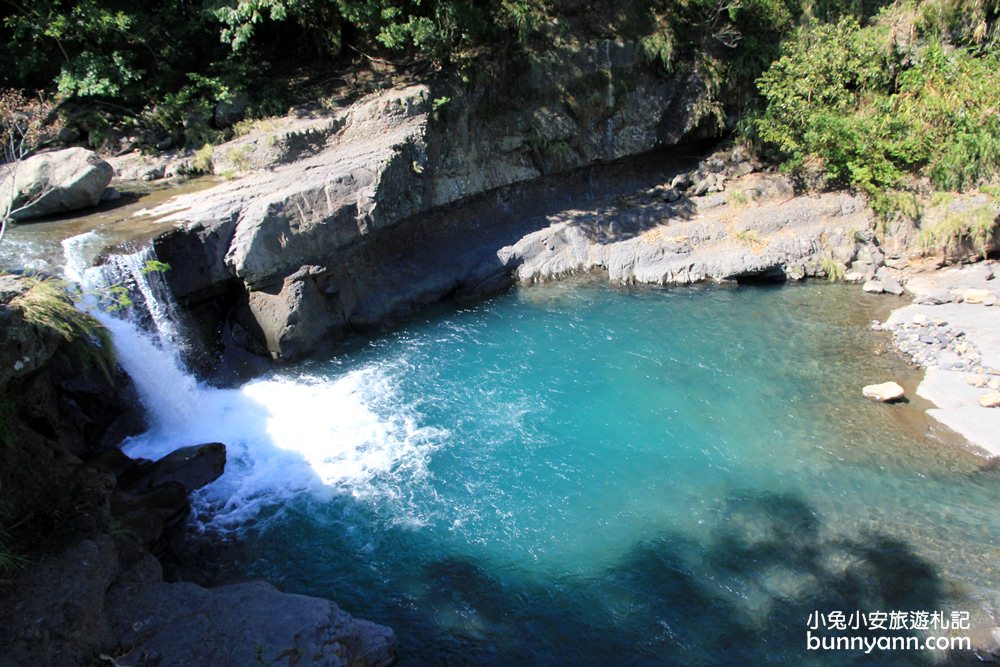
{"points": [[576, 475]]}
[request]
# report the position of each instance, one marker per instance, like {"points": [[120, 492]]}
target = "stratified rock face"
{"points": [[290, 233], [57, 182], [769, 236]]}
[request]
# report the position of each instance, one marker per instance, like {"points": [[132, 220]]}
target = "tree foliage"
{"points": [[871, 105]]}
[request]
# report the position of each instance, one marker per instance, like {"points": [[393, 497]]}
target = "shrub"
{"points": [[833, 269], [750, 237], [977, 227], [843, 97], [202, 160], [46, 304]]}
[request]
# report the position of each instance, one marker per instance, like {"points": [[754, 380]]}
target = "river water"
{"points": [[572, 474]]}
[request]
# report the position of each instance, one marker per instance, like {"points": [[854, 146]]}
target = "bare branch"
{"points": [[25, 124]]}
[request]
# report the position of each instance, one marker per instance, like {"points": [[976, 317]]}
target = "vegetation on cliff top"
{"points": [[898, 107], [913, 92], [866, 93], [166, 65]]}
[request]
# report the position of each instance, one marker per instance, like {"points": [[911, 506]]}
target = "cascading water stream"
{"points": [[285, 435], [150, 354]]}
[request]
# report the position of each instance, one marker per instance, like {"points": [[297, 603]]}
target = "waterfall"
{"points": [[286, 434], [147, 340]]}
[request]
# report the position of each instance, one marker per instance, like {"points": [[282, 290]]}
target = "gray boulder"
{"points": [[56, 182], [229, 112], [873, 286]]}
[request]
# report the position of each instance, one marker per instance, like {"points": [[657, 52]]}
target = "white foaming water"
{"points": [[284, 435], [166, 389]]}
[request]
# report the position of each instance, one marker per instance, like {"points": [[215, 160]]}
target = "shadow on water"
{"points": [[743, 597]]}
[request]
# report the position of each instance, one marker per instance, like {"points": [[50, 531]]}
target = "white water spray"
{"points": [[166, 389], [285, 435]]}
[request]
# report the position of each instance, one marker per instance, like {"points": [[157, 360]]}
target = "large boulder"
{"points": [[192, 467], [90, 599], [56, 182]]}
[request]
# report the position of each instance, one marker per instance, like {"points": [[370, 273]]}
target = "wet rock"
{"points": [[192, 467], [56, 182], [884, 392]]}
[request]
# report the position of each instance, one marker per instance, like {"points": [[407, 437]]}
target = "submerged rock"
{"points": [[884, 392], [56, 182]]}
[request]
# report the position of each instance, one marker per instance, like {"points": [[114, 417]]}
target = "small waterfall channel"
{"points": [[145, 332], [288, 434]]}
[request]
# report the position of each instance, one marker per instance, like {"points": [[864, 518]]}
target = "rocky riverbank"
{"points": [[952, 329], [83, 524]]}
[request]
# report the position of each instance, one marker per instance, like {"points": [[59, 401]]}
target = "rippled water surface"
{"points": [[582, 476]]}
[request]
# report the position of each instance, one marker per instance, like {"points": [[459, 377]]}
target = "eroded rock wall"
{"points": [[294, 236]]}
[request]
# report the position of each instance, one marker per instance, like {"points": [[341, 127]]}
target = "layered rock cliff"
{"points": [[284, 241]]}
